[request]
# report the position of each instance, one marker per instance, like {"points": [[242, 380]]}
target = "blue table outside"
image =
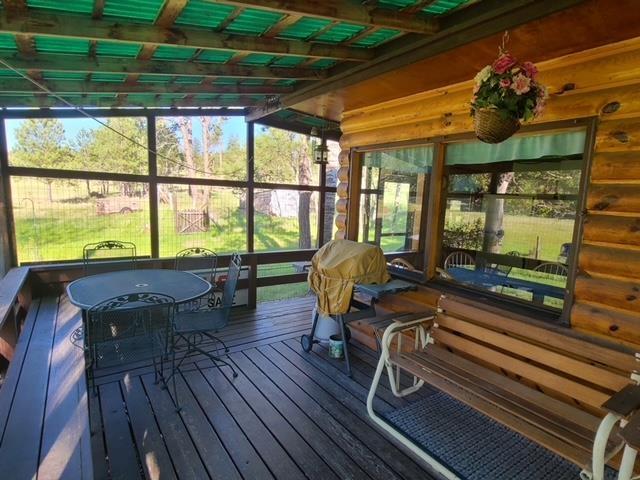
{"points": [[490, 279], [182, 286]]}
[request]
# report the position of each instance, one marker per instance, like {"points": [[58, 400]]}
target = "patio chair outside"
{"points": [[552, 270], [193, 328], [194, 259], [95, 254], [459, 259], [129, 328]]}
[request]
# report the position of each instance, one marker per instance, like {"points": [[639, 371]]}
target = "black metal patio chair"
{"points": [[194, 329], [128, 329], [96, 255]]}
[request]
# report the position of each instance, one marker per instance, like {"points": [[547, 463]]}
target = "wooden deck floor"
{"points": [[288, 415]]}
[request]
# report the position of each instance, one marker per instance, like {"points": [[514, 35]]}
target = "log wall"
{"points": [[603, 82]]}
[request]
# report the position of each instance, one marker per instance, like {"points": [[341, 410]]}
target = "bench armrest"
{"points": [[625, 401]]}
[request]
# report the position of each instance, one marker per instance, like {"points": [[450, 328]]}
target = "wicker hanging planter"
{"points": [[505, 93], [492, 126]]}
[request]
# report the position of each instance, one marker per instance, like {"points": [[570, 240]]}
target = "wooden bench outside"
{"points": [[545, 384], [44, 418]]}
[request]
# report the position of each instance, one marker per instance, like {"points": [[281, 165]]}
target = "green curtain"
{"points": [[518, 148], [401, 160]]}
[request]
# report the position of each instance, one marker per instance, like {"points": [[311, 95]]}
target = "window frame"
{"points": [[433, 214], [152, 178]]}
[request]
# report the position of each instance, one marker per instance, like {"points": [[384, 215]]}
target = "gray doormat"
{"points": [[476, 447]]}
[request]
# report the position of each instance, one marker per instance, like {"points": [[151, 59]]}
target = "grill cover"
{"points": [[338, 266]]}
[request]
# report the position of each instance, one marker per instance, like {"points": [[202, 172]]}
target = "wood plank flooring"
{"points": [[288, 414]]}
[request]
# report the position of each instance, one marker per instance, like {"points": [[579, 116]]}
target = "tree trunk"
{"points": [[49, 184], [494, 216], [330, 204], [304, 199], [186, 129], [88, 183]]}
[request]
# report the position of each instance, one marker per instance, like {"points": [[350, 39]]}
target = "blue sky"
{"points": [[234, 127]]}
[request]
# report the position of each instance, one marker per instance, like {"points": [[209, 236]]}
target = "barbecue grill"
{"points": [[337, 270]]}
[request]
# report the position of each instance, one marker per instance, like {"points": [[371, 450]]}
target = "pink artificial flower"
{"points": [[521, 84], [503, 63], [530, 70], [505, 82], [539, 108]]}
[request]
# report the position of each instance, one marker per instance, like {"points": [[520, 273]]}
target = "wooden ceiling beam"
{"points": [[170, 12], [230, 18], [417, 7], [473, 23], [12, 86], [341, 11], [44, 101], [75, 26], [72, 63]]}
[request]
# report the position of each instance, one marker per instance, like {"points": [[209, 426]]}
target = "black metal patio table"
{"points": [[182, 286]]}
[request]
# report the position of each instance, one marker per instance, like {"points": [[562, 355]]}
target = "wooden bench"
{"points": [[44, 419], [549, 385]]}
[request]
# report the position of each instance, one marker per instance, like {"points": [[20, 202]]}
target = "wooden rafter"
{"points": [[70, 63], [341, 11], [230, 18], [44, 101], [98, 9], [11, 86], [282, 25], [74, 26], [171, 10]]}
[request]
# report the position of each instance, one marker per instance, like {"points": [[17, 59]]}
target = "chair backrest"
{"points": [[231, 282], [191, 259], [552, 269], [95, 256], [459, 259], [129, 327]]}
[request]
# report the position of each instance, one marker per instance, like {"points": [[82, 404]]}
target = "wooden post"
{"points": [[8, 253], [154, 223], [250, 185], [252, 293], [435, 213]]}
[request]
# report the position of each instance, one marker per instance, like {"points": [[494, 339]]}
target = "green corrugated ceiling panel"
{"points": [[252, 82], [257, 98], [142, 11], [340, 33], [253, 22], [117, 49], [323, 63], [189, 80], [75, 6], [171, 96], [214, 56], [229, 97], [397, 4], [287, 82], [261, 59], [207, 96], [288, 61], [377, 37], [284, 114], [7, 42], [62, 45], [304, 28], [225, 81], [9, 74], [108, 77], [200, 13], [64, 75], [154, 78], [167, 52], [443, 6], [140, 97]]}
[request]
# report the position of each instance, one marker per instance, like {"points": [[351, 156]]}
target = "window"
{"points": [[392, 194], [510, 214]]}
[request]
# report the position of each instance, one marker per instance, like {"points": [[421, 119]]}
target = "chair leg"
{"points": [[343, 331], [173, 380]]}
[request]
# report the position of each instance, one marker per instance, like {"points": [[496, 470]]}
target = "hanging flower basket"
{"points": [[493, 127], [505, 94]]}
